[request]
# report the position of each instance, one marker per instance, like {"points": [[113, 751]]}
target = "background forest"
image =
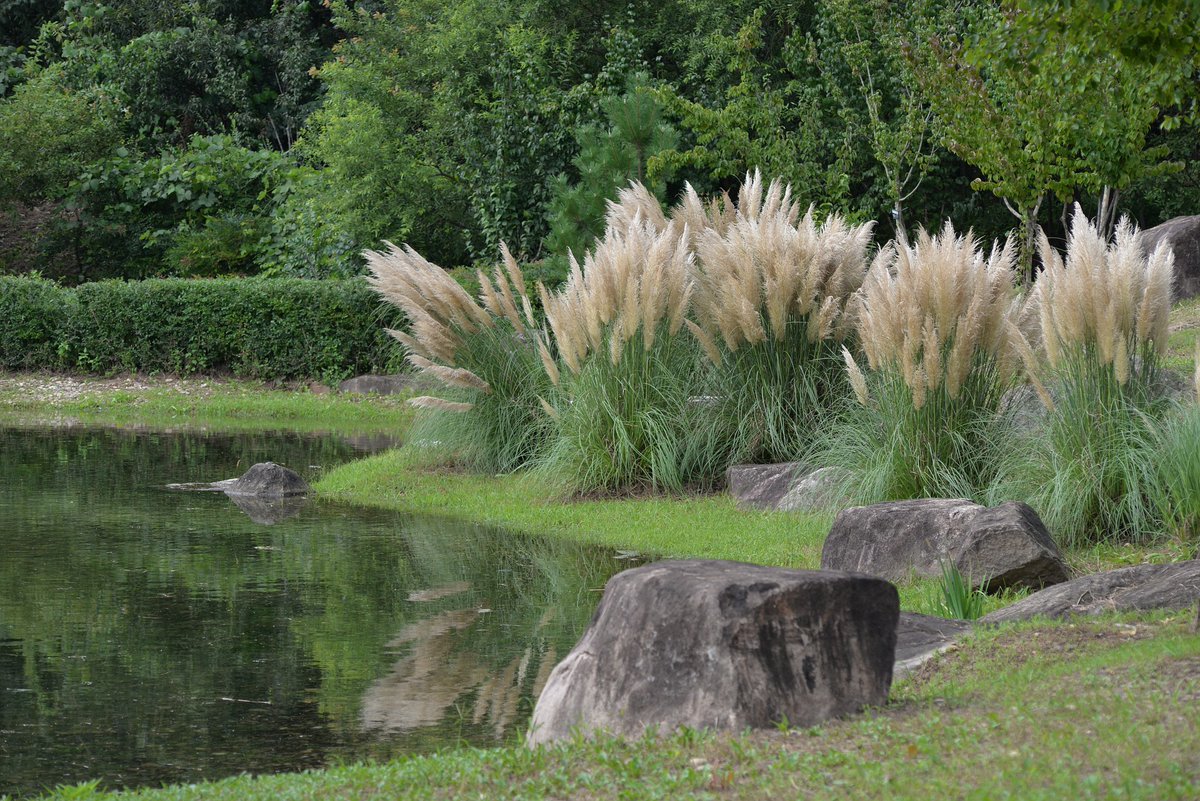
{"points": [[281, 137]]}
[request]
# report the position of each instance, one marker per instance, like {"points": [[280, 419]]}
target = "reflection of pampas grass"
{"points": [[772, 291], [937, 325], [483, 354], [1103, 314]]}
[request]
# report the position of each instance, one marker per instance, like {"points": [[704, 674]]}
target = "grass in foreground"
{"points": [[1087, 710], [209, 403]]}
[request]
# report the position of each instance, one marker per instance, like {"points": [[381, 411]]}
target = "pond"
{"points": [[150, 636]]}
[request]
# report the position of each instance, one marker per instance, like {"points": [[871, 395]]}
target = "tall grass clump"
{"points": [[623, 419], [937, 325], [1177, 458], [771, 296], [1103, 314], [489, 415]]}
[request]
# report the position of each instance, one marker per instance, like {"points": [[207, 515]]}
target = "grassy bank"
{"points": [[167, 402], [1091, 710]]}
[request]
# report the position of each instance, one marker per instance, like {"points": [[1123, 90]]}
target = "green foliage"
{"points": [[958, 599], [33, 314], [506, 427], [608, 160], [1035, 119], [1089, 470], [271, 329], [631, 425], [200, 210], [945, 448], [47, 132], [1177, 458], [768, 119]]}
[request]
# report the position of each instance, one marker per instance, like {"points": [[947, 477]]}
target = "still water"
{"points": [[150, 636]]}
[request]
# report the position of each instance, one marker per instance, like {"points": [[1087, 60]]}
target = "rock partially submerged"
{"points": [[723, 645], [1137, 588], [267, 480], [268, 493], [997, 547]]}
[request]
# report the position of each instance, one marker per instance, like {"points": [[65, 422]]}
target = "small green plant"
{"points": [[957, 598]]}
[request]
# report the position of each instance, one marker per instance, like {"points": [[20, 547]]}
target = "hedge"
{"points": [[278, 328]]}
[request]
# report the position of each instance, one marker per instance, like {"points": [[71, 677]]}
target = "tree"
{"points": [[609, 158], [1034, 119], [872, 37]]}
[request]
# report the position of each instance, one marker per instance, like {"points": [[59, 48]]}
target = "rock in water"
{"points": [[723, 645], [1137, 588], [998, 546], [267, 480]]}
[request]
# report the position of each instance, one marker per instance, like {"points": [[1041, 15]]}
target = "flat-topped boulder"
{"points": [[919, 638], [723, 645], [997, 547], [1137, 588]]}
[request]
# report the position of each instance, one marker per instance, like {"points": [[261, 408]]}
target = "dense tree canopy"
{"points": [[219, 137]]}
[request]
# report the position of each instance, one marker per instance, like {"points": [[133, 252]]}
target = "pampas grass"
{"points": [[1103, 315], [623, 420], [937, 326], [489, 415], [771, 298]]}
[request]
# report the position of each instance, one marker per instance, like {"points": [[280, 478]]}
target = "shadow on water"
{"points": [[149, 636]]}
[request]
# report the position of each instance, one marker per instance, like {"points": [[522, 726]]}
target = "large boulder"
{"points": [[1141, 587], [784, 487], [723, 645], [267, 480], [1183, 235], [997, 547]]}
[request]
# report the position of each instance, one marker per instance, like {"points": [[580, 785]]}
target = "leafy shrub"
{"points": [[256, 328], [33, 312]]}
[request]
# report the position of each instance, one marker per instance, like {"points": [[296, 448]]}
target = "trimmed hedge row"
{"points": [[255, 328]]}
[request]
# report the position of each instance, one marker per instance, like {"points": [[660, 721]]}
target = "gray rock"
{"points": [[919, 638], [1001, 546], [820, 489], [723, 645], [1183, 235], [784, 487], [266, 480], [379, 384], [1141, 587], [762, 486]]}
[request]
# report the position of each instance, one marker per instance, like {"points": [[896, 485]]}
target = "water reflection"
{"points": [[149, 636]]}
